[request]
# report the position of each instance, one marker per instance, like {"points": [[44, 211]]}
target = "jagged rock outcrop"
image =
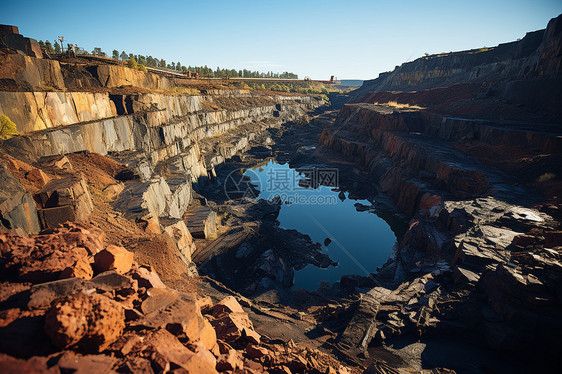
{"points": [[11, 38], [497, 264], [534, 55], [166, 143], [30, 73], [116, 76], [33, 111], [516, 290], [469, 222], [58, 253], [17, 207], [64, 199], [58, 193], [414, 154], [90, 322]]}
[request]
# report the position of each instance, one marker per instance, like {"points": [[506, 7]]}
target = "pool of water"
{"points": [[360, 240]]}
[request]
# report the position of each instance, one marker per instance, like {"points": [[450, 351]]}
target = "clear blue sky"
{"points": [[349, 39]]}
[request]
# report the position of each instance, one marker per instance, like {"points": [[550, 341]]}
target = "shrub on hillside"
{"points": [[7, 128], [132, 63]]}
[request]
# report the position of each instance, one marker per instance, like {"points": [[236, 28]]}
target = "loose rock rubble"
{"points": [[65, 251], [524, 295], [122, 318], [480, 265], [91, 322]]}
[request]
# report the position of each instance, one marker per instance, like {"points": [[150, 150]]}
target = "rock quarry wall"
{"points": [[161, 129], [530, 60], [33, 74], [470, 222], [168, 141], [411, 153], [457, 140]]}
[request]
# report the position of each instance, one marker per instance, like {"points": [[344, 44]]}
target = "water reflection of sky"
{"points": [[361, 241]]}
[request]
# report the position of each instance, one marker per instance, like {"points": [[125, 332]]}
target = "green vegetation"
{"points": [[204, 71], [98, 52], [46, 46], [310, 88], [133, 64], [7, 128]]}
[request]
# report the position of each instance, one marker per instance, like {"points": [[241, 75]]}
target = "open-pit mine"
{"points": [[153, 223]]}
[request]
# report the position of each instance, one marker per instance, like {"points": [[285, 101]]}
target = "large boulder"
{"points": [[65, 199], [231, 327], [89, 322], [226, 306], [147, 278], [177, 312], [114, 258], [168, 352], [17, 208]]}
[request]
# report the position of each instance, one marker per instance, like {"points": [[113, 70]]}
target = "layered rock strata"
{"points": [[474, 229]]}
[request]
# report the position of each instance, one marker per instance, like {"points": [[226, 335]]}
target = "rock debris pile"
{"points": [[70, 305]]}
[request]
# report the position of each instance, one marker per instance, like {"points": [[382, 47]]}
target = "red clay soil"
{"points": [[31, 178], [99, 170], [153, 250]]}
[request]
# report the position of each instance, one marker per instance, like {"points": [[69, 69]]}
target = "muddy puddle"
{"points": [[351, 231]]}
